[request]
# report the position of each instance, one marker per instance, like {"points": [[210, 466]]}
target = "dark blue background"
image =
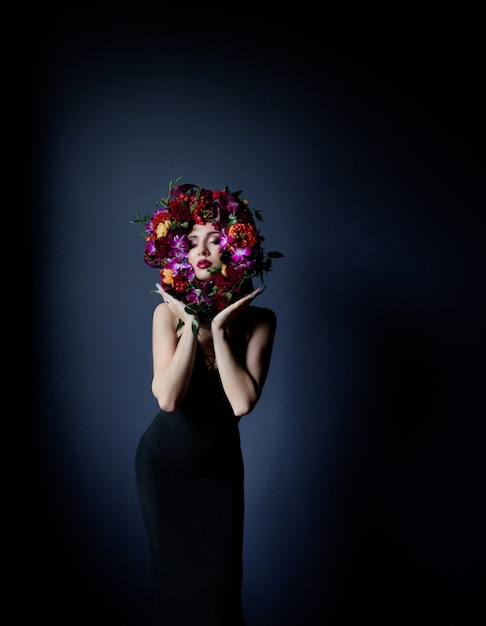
{"points": [[362, 141]]}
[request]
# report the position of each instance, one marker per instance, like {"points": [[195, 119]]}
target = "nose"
{"points": [[202, 251]]}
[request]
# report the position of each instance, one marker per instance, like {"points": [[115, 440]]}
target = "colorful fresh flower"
{"points": [[243, 258]]}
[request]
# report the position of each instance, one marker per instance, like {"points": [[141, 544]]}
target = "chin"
{"points": [[203, 275]]}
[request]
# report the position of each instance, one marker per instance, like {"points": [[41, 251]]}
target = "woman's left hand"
{"points": [[225, 318]]}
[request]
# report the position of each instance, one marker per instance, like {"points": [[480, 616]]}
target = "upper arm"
{"points": [[164, 337], [260, 345]]}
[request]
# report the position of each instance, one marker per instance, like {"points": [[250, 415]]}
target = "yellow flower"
{"points": [[223, 269], [168, 277], [162, 229]]}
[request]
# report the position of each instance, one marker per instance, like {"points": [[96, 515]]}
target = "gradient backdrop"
{"points": [[363, 147]]}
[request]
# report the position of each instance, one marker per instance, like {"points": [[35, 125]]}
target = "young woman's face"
{"points": [[203, 244]]}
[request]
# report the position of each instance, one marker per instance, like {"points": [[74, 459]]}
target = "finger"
{"points": [[256, 292], [161, 292]]}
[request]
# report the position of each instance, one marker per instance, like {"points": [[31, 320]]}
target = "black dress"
{"points": [[189, 472]]}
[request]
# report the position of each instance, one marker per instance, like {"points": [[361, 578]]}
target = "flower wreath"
{"points": [[166, 246]]}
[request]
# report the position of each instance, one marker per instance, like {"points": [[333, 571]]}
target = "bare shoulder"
{"points": [[160, 311], [162, 315], [258, 317], [264, 314]]}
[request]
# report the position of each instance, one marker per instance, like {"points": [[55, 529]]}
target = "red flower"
{"points": [[220, 301], [179, 209], [180, 283]]}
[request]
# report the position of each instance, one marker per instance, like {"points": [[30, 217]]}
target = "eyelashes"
{"points": [[215, 242]]}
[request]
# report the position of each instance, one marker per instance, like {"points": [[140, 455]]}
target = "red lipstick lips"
{"points": [[203, 264]]}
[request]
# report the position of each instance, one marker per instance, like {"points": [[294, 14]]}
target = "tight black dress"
{"points": [[189, 473]]}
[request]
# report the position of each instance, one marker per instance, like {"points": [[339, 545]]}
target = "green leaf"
{"points": [[140, 219], [195, 327], [275, 254], [259, 216], [173, 183], [180, 324]]}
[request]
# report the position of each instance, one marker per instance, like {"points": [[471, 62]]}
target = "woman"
{"points": [[211, 354]]}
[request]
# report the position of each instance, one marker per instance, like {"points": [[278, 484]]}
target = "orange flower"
{"points": [[244, 234], [167, 276]]}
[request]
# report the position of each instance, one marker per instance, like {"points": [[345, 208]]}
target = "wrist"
{"points": [[216, 329]]}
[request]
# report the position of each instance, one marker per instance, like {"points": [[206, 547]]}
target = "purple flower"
{"points": [[178, 243], [150, 249], [240, 255], [225, 240], [180, 266], [197, 296]]}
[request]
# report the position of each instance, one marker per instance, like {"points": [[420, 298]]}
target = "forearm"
{"points": [[170, 383], [240, 387]]}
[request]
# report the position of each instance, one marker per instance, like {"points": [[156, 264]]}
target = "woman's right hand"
{"points": [[175, 306]]}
